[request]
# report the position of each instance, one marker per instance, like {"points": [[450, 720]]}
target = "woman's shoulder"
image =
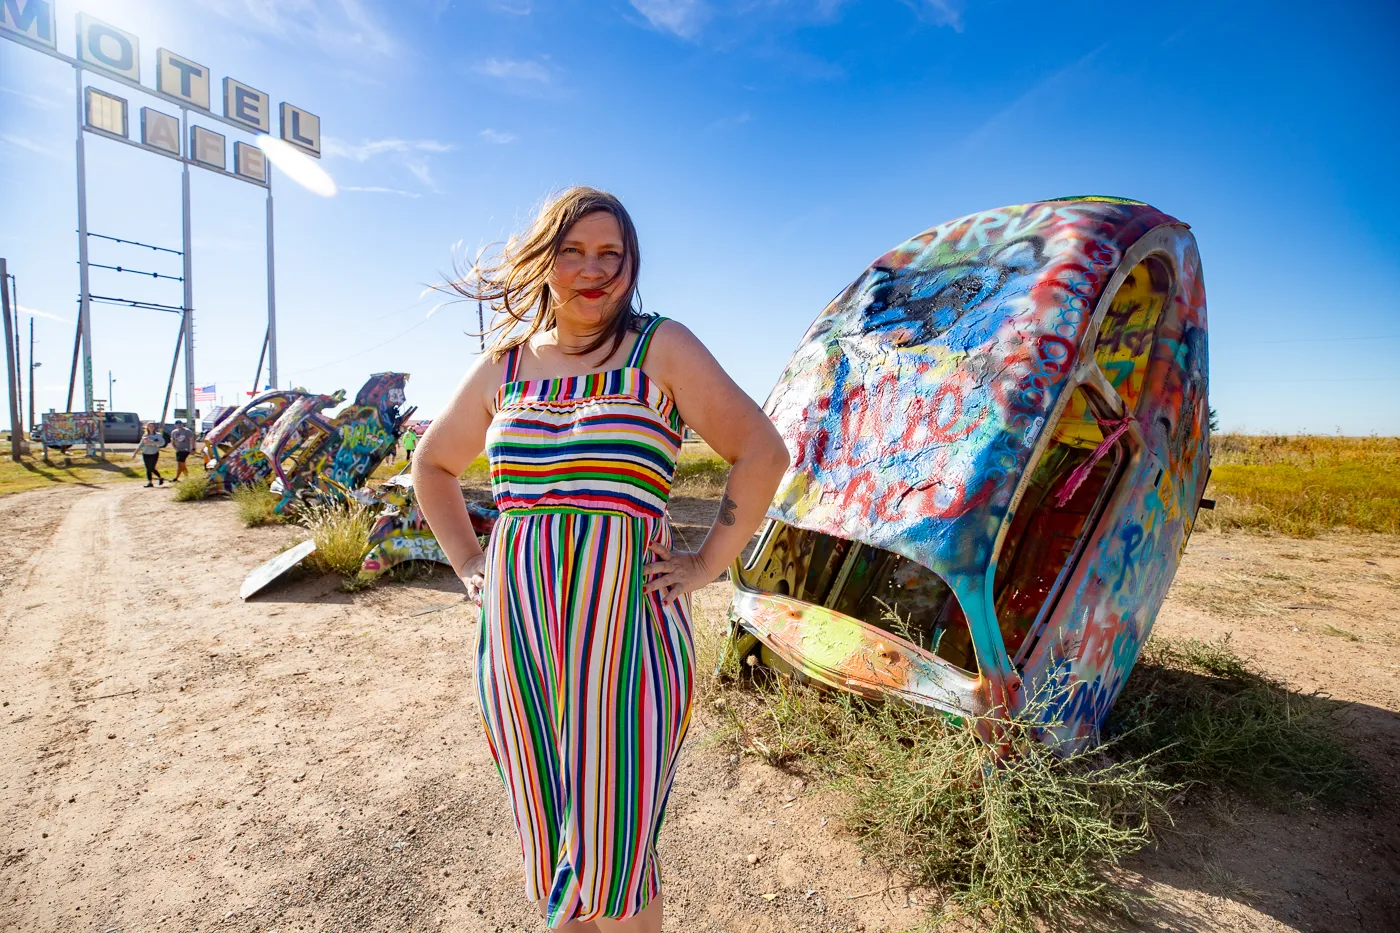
{"points": [[670, 336]]}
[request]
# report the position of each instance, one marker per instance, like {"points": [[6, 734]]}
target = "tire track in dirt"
{"points": [[55, 616]]}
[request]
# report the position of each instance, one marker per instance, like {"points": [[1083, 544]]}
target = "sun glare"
{"points": [[298, 166]]}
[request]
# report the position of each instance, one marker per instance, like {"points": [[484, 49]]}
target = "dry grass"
{"points": [[1011, 837], [1018, 836], [31, 472], [1304, 485], [194, 487], [254, 504], [341, 531]]}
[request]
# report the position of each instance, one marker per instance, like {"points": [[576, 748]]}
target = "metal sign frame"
{"points": [[240, 101]]}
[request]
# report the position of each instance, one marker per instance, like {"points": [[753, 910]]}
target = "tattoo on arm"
{"points": [[726, 509]]}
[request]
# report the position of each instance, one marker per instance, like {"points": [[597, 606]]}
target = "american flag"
{"points": [[205, 394]]}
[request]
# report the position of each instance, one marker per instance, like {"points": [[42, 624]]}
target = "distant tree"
{"points": [[1214, 420]]}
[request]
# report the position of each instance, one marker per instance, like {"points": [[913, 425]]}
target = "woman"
{"points": [[149, 449], [584, 661]]}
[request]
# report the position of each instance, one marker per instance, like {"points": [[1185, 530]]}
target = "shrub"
{"points": [[1008, 834], [341, 531], [254, 505], [194, 487]]}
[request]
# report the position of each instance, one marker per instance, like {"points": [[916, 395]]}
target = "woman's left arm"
{"points": [[736, 429]]}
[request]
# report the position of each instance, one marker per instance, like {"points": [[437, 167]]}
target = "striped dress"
{"points": [[584, 680]]}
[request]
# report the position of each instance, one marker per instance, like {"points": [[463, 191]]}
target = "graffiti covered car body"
{"points": [[319, 455], [63, 429], [400, 533], [999, 444], [231, 448]]}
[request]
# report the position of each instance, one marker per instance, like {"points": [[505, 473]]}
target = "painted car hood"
{"points": [[906, 408]]}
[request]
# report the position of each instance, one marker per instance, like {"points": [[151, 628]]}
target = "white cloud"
{"points": [[511, 69], [22, 142], [44, 103], [939, 12], [497, 137], [375, 189], [35, 312], [412, 154], [338, 27], [682, 17], [362, 152], [419, 168]]}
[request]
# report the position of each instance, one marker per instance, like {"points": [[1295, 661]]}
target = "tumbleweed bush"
{"points": [[341, 531], [254, 504]]}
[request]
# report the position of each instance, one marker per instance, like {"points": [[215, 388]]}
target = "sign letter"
{"points": [[106, 112], [32, 19], [160, 130], [247, 105], [108, 47], [182, 79], [249, 162], [301, 129], [207, 147]]}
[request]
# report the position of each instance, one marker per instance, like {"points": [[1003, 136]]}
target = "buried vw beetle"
{"points": [[999, 441]]}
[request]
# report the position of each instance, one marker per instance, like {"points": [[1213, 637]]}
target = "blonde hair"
{"points": [[516, 285]]}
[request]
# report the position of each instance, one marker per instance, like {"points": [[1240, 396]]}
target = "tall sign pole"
{"points": [[15, 430], [271, 300], [84, 295], [187, 319]]}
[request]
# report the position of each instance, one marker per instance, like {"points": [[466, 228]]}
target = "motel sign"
{"points": [[106, 48], [115, 54]]}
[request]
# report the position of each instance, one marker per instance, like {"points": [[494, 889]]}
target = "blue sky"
{"points": [[768, 150]]}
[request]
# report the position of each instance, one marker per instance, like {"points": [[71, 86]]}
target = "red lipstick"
{"points": [[593, 294]]}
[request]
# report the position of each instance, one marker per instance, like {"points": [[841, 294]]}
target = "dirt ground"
{"points": [[173, 759]]}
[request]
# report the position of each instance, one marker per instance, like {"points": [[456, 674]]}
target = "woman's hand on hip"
{"points": [[473, 577], [676, 573]]}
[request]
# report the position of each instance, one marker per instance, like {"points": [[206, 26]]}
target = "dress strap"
{"points": [[639, 349], [512, 364]]}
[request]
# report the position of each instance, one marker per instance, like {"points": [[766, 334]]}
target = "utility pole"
{"points": [[19, 360], [32, 366], [111, 405], [11, 372]]}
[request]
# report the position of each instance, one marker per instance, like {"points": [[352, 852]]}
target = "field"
{"points": [[174, 759]]}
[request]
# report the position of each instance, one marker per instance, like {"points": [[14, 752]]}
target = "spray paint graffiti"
{"points": [[401, 534], [317, 456], [64, 429], [231, 453], [938, 410]]}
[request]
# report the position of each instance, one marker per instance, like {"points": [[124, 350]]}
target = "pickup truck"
{"points": [[121, 427]]}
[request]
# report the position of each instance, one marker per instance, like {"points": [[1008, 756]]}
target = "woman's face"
{"points": [[590, 255]]}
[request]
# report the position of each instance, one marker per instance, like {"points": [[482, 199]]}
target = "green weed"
{"points": [[1008, 835], [254, 503], [194, 487]]}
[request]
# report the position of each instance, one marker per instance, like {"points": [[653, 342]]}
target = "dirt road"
{"points": [[173, 759]]}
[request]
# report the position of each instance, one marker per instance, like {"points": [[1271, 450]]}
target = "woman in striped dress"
{"points": [[584, 662]]}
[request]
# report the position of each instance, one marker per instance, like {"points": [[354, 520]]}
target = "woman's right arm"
{"points": [[455, 438]]}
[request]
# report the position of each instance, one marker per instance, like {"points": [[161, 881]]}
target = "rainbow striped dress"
{"points": [[584, 680]]}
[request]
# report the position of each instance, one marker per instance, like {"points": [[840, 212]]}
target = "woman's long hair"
{"points": [[516, 285]]}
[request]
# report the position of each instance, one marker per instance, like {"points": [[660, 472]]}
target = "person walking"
{"points": [[149, 448], [585, 659], [409, 441], [182, 439]]}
